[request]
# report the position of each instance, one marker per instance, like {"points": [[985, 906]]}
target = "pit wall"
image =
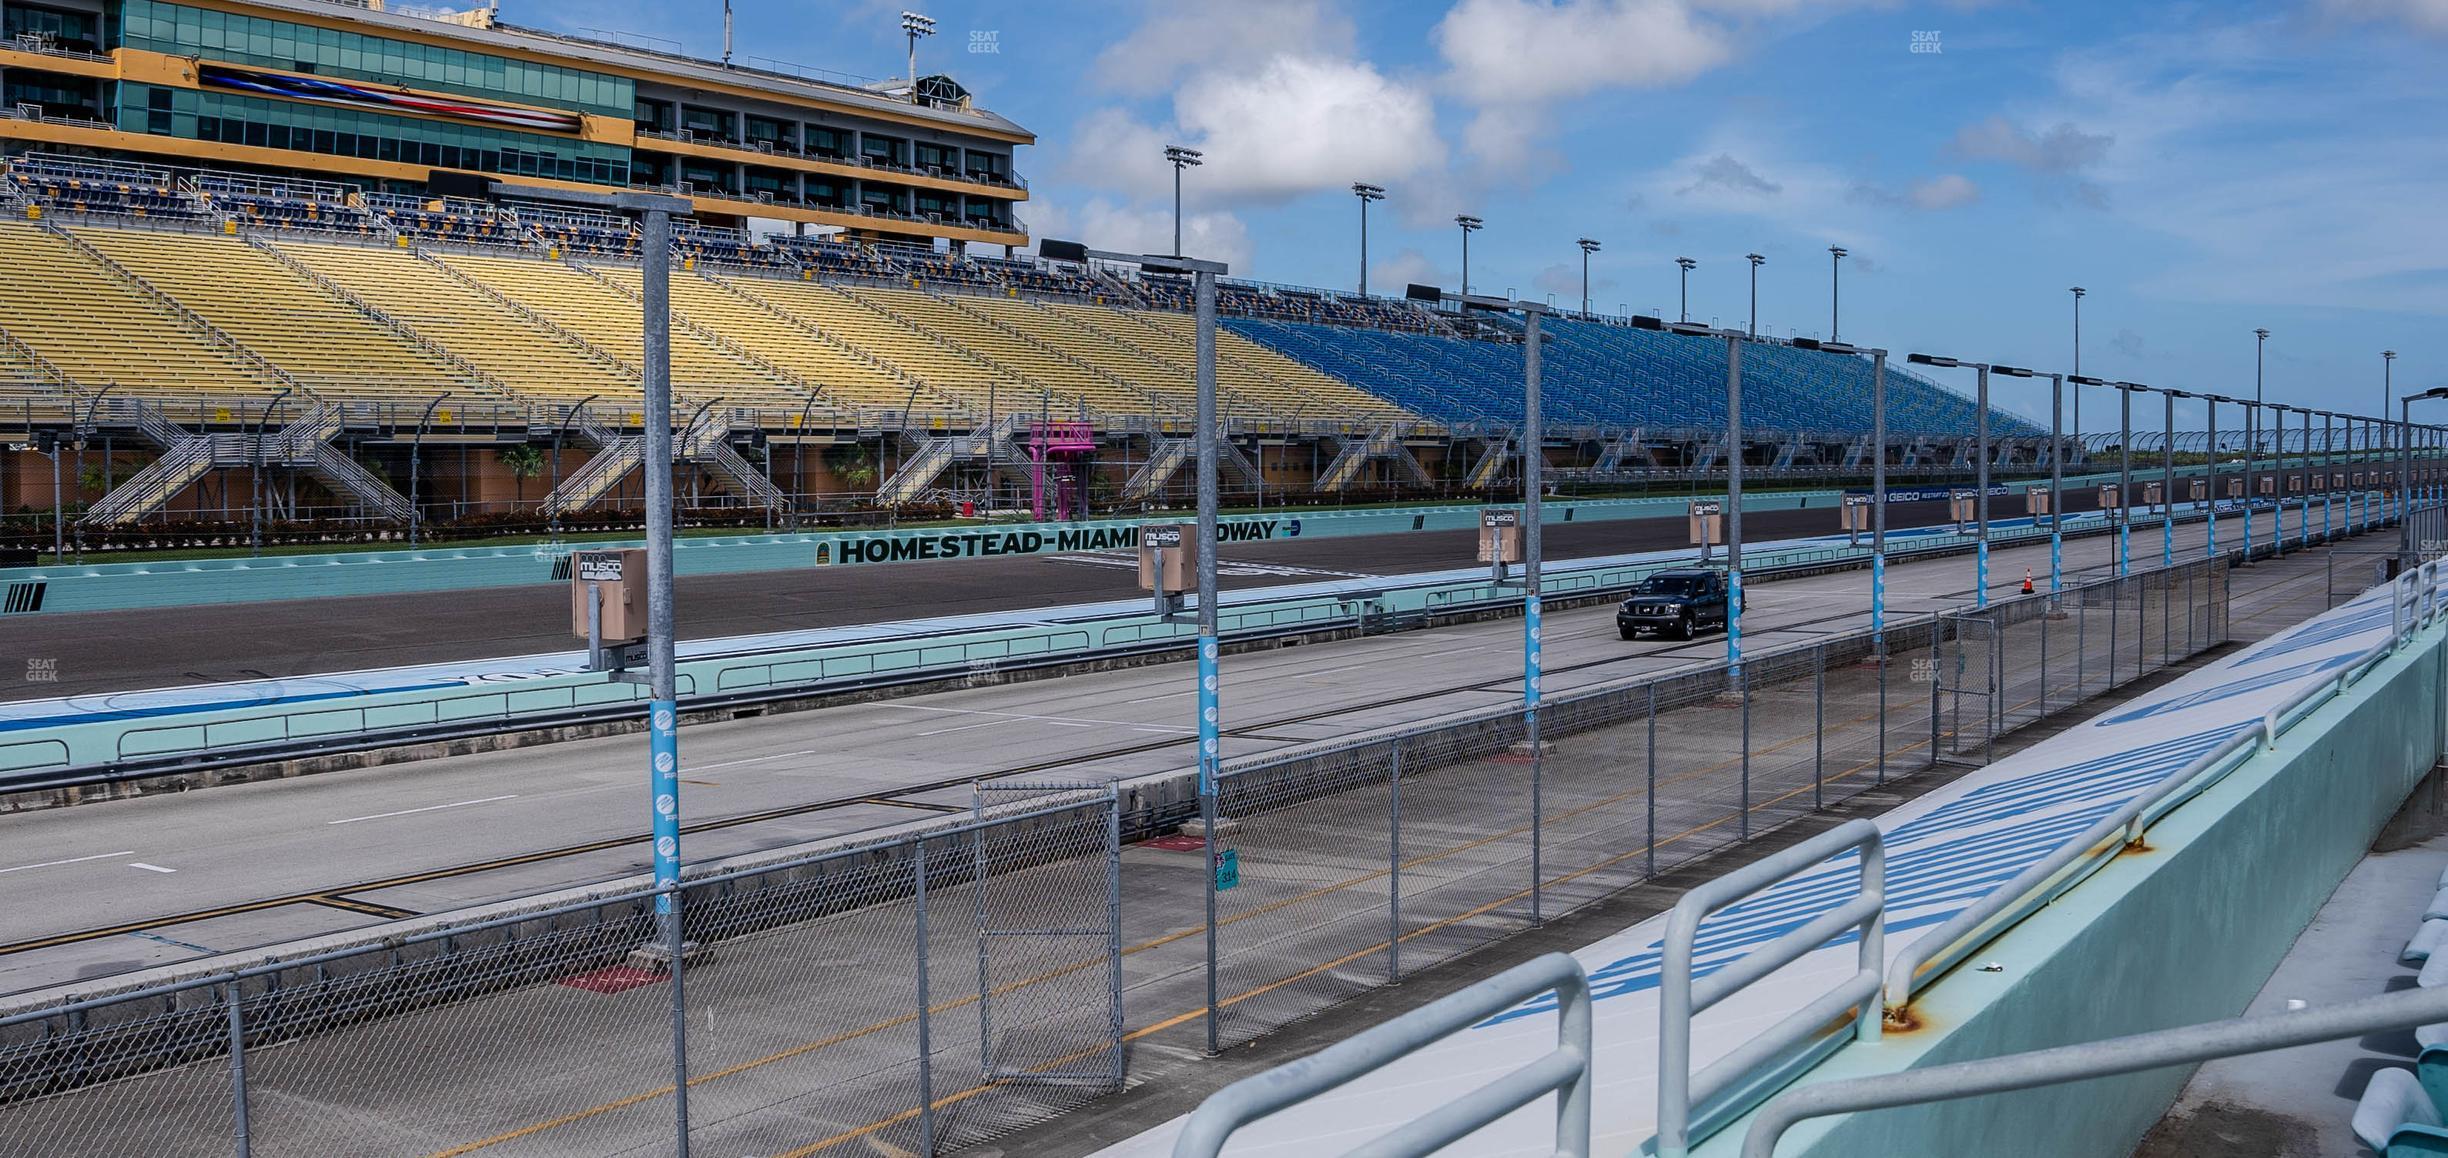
{"points": [[2187, 930], [184, 582]]}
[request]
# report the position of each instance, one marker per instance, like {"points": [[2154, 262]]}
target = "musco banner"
{"points": [[915, 546]]}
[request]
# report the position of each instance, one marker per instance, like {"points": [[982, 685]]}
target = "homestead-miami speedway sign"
{"points": [[913, 546]]}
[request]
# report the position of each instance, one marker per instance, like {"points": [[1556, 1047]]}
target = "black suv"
{"points": [[1677, 603]]}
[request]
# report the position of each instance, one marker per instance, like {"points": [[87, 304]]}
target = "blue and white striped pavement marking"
{"points": [[1944, 851]]}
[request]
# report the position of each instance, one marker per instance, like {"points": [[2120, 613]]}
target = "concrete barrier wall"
{"points": [[2184, 931], [175, 582]]}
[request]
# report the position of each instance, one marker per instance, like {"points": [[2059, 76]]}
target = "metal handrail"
{"points": [[1680, 997], [1980, 922], [1564, 1071], [2134, 1053]]}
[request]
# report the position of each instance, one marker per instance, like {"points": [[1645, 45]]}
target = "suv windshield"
{"points": [[1683, 585]]}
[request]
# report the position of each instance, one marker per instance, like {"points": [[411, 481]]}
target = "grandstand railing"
{"points": [[1564, 1071], [1681, 994]]}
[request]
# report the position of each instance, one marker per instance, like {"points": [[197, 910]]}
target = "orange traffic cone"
{"points": [[2027, 587]]}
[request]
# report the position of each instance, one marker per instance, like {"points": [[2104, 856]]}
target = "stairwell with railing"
{"points": [[1384, 443], [707, 446]]}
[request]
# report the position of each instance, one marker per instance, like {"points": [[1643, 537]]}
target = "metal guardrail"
{"points": [[2185, 1045], [1680, 995], [1564, 1071]]}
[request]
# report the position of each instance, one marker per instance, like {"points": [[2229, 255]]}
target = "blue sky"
{"points": [[2201, 169]]}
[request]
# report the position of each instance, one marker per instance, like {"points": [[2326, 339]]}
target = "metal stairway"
{"points": [[1169, 455], [303, 444], [1493, 460], [919, 471], [1385, 443], [706, 446], [614, 458]]}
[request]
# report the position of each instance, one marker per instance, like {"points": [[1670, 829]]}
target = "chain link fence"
{"points": [[939, 986]]}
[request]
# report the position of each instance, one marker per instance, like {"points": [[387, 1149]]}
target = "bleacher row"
{"points": [[2401, 1112], [365, 297]]}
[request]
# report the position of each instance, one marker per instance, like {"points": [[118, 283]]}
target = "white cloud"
{"points": [[1294, 125], [1177, 40], [1408, 267], [1723, 174], [1106, 224], [2429, 17], [1945, 191], [2321, 191], [2059, 149], [1515, 60]]}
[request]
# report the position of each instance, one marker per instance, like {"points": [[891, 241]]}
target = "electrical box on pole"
{"points": [[1168, 564], [1707, 521], [1500, 540], [608, 607]]}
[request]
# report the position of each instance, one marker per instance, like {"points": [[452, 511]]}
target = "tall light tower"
{"points": [[1588, 247], [1366, 193], [913, 25], [1470, 225], [1755, 261], [1181, 159], [1685, 264], [1836, 256], [2078, 293]]}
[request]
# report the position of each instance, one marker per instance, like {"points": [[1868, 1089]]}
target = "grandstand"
{"points": [[197, 297]]}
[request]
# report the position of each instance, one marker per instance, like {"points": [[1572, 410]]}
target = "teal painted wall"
{"points": [[168, 583]]}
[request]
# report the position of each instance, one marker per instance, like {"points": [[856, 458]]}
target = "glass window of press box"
{"points": [[73, 31], [273, 124], [179, 30]]}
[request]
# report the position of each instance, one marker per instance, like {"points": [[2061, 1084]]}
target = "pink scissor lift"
{"points": [[1060, 455]]}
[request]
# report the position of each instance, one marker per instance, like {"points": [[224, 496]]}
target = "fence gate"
{"points": [[1964, 688], [1048, 900]]}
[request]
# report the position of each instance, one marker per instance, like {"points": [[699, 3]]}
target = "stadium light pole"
{"points": [[1366, 193], [1980, 476], [2056, 470], [1203, 274], [1752, 330], [416, 457], [2076, 375], [2167, 478], [2123, 515], [2328, 471], [82, 431], [1469, 225], [1588, 247], [255, 477], [1685, 264], [2405, 472], [558, 433], [1836, 256], [1734, 471], [1180, 158], [655, 211], [1878, 486], [2210, 455], [913, 25]]}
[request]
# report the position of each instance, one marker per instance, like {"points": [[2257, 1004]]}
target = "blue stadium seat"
{"points": [[1609, 375], [2397, 1118], [2424, 943]]}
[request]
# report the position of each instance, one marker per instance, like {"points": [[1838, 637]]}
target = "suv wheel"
{"points": [[1685, 628]]}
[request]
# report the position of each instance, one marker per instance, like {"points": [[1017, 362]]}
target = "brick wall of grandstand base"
{"points": [[1358, 863]]}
